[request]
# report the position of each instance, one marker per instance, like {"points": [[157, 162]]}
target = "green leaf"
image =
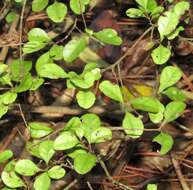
{"points": [[33, 149], [108, 36], [166, 142], [83, 82], [90, 122], [100, 135], [19, 69], [174, 110], [46, 150], [78, 6], [74, 125], [33, 46], [79, 149], [65, 140], [11, 179], [42, 60], [169, 76], [39, 129], [10, 166], [73, 48], [175, 94], [51, 71], [56, 172], [167, 23], [42, 182], [151, 187], [92, 67], [26, 167], [18, 1], [3, 69], [181, 7], [39, 5], [161, 55], [142, 3], [8, 97], [37, 34], [57, 12], [96, 73], [133, 126], [38, 39], [5, 79], [151, 6], [134, 13], [5, 155], [111, 90], [91, 119], [146, 103], [157, 11], [3, 109], [56, 52], [85, 99], [83, 163], [25, 84], [36, 83], [175, 33], [148, 5], [157, 117], [11, 16], [6, 188]]}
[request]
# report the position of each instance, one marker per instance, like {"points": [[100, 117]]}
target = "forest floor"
{"points": [[132, 163]]}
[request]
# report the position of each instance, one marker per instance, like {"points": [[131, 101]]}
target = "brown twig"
{"points": [[179, 173]]}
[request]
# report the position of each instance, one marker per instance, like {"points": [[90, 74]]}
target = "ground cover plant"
{"points": [[96, 94]]}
